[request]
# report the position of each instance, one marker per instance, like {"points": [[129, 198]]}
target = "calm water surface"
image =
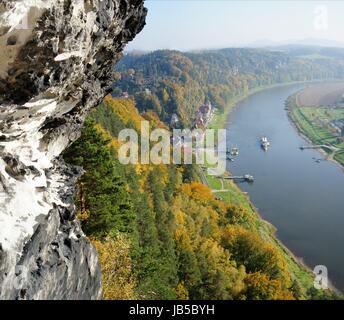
{"points": [[302, 198]]}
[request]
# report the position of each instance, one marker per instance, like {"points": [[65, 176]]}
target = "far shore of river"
{"points": [[295, 99], [220, 122]]}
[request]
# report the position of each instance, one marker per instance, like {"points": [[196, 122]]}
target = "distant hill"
{"points": [[313, 42], [169, 82], [311, 52]]}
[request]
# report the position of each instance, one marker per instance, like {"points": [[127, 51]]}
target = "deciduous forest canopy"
{"points": [[161, 233]]}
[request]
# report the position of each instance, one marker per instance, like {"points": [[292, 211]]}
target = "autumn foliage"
{"points": [[162, 235], [116, 264]]}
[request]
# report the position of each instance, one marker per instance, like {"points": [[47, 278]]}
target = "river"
{"points": [[303, 199]]}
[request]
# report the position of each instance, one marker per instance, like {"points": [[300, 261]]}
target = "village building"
{"points": [[203, 115], [338, 125]]}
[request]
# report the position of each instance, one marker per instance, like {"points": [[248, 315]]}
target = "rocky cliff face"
{"points": [[55, 65]]}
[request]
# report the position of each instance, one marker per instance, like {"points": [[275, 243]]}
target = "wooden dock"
{"points": [[320, 146], [245, 177]]}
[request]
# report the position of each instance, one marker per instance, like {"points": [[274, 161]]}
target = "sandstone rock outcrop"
{"points": [[56, 64]]}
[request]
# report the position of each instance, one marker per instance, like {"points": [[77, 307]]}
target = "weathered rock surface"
{"points": [[55, 65]]}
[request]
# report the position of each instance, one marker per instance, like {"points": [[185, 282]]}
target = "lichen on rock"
{"points": [[56, 64]]}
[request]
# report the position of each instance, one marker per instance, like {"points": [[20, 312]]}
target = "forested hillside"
{"points": [[161, 234], [168, 82]]}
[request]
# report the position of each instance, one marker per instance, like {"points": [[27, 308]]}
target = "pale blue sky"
{"points": [[195, 24]]}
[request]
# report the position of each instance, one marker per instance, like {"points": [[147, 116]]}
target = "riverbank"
{"points": [[312, 133], [298, 269], [220, 118]]}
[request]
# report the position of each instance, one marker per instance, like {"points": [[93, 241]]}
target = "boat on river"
{"points": [[265, 143], [234, 152]]}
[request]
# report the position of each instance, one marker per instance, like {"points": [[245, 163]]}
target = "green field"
{"points": [[314, 131], [340, 158], [314, 123]]}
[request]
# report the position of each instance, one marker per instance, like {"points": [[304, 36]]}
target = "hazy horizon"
{"points": [[208, 24]]}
